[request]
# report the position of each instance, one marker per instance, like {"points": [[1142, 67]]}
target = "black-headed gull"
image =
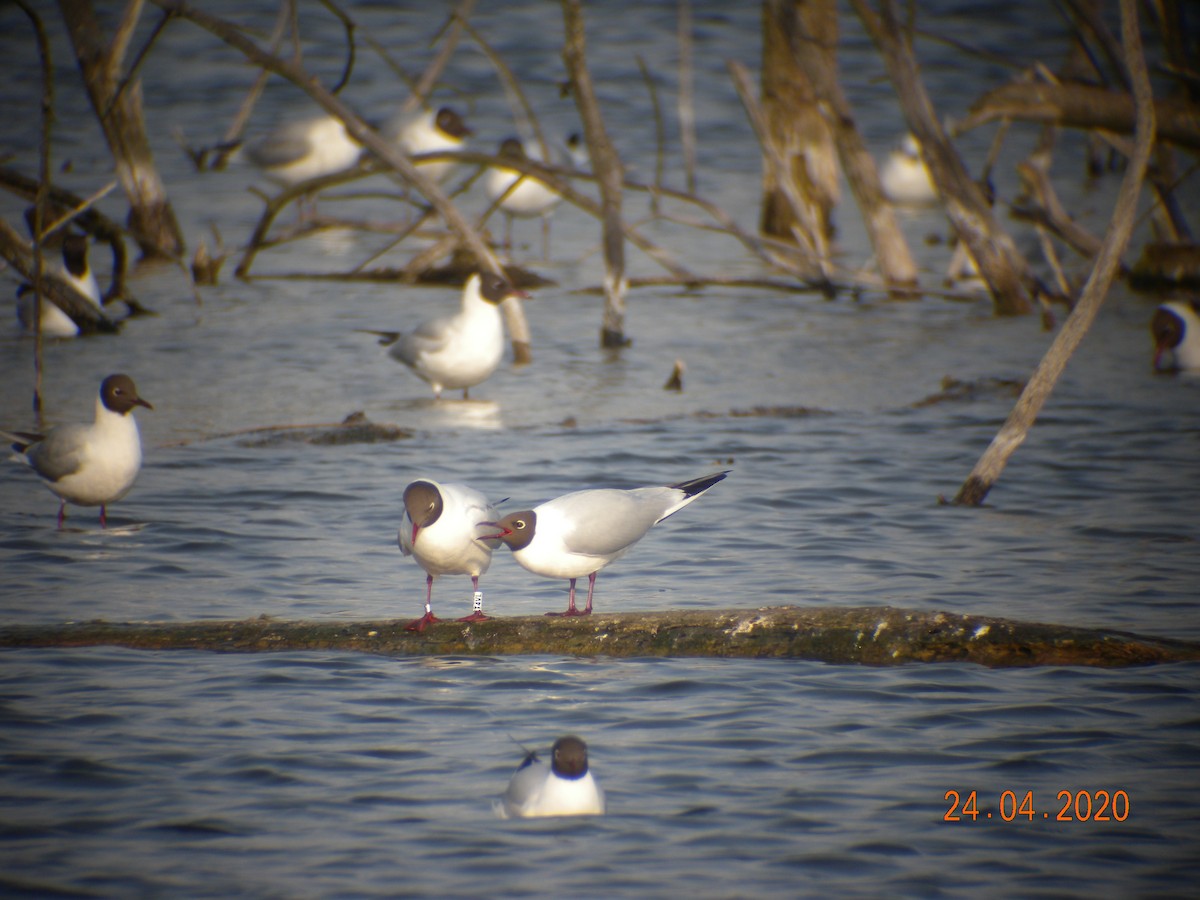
{"points": [[564, 787], [1176, 330], [530, 198], [441, 531], [300, 150], [460, 351], [76, 271], [582, 532], [430, 132], [904, 177], [90, 464]]}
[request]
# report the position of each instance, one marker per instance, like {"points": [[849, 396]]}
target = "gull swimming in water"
{"points": [[562, 787]]}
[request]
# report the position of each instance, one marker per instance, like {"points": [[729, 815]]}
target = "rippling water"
{"points": [[299, 775], [126, 773]]}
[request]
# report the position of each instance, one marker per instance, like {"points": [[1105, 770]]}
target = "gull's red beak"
{"points": [[495, 536]]}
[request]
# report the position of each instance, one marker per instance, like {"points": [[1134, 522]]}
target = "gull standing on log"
{"points": [[441, 531], [582, 532]]}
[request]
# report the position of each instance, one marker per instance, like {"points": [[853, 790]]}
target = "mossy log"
{"points": [[877, 635]]}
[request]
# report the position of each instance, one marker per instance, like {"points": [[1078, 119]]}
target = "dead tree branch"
{"points": [[399, 164], [1033, 397], [1084, 106], [1000, 263], [151, 219], [607, 167], [818, 59]]}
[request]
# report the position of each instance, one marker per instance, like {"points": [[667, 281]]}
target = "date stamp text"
{"points": [[1069, 806]]}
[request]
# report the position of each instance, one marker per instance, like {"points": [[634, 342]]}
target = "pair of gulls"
{"points": [[309, 148], [452, 529]]}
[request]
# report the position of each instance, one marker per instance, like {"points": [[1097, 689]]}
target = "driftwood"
{"points": [[1015, 429], [1039, 204], [880, 636], [1167, 266]]}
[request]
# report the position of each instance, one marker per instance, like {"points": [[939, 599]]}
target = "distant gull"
{"points": [[430, 132], [582, 532], [441, 531], [90, 464], [1175, 327], [309, 148], [530, 198], [904, 177], [564, 787], [74, 270], [460, 351]]}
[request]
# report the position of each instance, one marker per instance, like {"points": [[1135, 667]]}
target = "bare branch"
{"points": [[1037, 391], [607, 166], [1074, 105]]}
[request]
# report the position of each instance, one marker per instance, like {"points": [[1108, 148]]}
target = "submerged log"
{"points": [[879, 636]]}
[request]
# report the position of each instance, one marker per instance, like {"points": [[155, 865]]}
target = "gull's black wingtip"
{"points": [[699, 485]]}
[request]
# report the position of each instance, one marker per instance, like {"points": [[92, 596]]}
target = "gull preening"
{"points": [[442, 529], [300, 150]]}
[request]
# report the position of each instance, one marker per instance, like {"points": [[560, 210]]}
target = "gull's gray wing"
{"points": [[60, 454]]}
